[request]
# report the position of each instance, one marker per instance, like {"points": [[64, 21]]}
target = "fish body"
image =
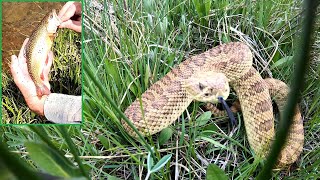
{"points": [[38, 47]]}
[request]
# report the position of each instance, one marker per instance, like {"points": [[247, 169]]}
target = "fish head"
{"points": [[53, 21]]}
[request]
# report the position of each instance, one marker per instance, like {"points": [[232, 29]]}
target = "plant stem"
{"points": [[147, 176]]}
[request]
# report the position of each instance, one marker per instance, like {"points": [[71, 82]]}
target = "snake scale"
{"points": [[206, 76]]}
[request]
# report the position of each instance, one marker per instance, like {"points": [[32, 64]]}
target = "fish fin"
{"points": [[52, 36], [46, 62], [42, 76], [42, 90]]}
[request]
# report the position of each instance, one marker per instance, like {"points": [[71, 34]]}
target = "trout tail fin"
{"points": [[42, 90]]}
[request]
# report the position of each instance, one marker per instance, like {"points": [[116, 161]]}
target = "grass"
{"points": [[131, 45], [65, 78]]}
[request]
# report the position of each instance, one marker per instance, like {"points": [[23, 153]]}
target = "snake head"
{"points": [[208, 86]]}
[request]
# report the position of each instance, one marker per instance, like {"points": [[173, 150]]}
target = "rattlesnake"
{"points": [[204, 77]]}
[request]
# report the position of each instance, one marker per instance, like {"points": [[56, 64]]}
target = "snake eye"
{"points": [[51, 16], [201, 86], [206, 94]]}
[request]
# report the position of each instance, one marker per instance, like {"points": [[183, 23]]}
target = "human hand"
{"points": [[70, 16], [22, 79]]}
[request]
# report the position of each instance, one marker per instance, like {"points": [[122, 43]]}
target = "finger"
{"points": [[21, 56], [74, 25], [64, 9], [19, 78], [71, 10], [14, 66]]}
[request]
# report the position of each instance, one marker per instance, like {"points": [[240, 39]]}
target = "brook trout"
{"points": [[37, 50]]}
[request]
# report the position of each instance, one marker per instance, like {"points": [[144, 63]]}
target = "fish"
{"points": [[38, 47]]}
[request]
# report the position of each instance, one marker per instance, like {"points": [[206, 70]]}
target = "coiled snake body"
{"points": [[204, 77]]}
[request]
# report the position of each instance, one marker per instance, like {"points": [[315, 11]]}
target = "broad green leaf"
{"points": [[216, 143], [165, 135], [202, 7], [282, 62], [215, 173], [207, 4], [198, 7], [104, 141], [50, 160], [163, 161], [112, 70], [203, 118], [209, 129], [226, 38]]}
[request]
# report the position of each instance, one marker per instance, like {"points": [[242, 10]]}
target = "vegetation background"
{"points": [[127, 46]]}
